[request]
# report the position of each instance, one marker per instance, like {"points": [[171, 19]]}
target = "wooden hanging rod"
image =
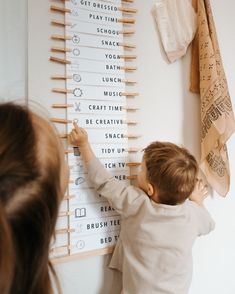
{"points": [[69, 197], [61, 248], [128, 68], [60, 60], [127, 32], [61, 37], [61, 23], [62, 105], [64, 231], [132, 136], [60, 77], [127, 20], [129, 94], [133, 177], [65, 213], [60, 49], [127, 57], [127, 10], [128, 1], [61, 120], [60, 9], [130, 108], [125, 45], [128, 81], [132, 164]]}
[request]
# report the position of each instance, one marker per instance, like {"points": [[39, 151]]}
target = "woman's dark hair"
{"points": [[30, 194]]}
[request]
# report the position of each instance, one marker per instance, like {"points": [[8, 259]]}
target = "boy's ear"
{"points": [[150, 190]]}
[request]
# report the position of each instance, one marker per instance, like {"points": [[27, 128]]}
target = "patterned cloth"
{"points": [[217, 119]]}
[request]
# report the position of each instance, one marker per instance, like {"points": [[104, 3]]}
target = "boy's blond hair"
{"points": [[172, 170]]}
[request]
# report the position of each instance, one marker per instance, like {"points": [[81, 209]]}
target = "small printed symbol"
{"points": [[80, 212], [79, 181], [78, 106], [75, 39], [77, 78], [76, 52], [80, 244], [77, 92], [76, 151]]}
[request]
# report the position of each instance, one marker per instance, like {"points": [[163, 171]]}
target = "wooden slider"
{"points": [[128, 68], [132, 150], [63, 91], [60, 60], [60, 77], [69, 197], [63, 136], [64, 231], [128, 57], [62, 105], [60, 37], [127, 9], [59, 49], [129, 94], [65, 213], [131, 164], [131, 122], [60, 9], [132, 136], [130, 108], [127, 32], [61, 23], [126, 20], [134, 177], [61, 120], [128, 81], [128, 1], [61, 248], [125, 45]]}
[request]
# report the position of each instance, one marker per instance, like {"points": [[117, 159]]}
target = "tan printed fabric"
{"points": [[217, 118]]}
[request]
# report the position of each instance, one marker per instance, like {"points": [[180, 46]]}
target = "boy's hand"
{"points": [[78, 136], [199, 193]]}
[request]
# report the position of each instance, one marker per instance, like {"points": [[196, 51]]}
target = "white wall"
{"points": [[167, 112]]}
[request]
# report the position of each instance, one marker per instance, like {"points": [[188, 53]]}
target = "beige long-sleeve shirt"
{"points": [[154, 250]]}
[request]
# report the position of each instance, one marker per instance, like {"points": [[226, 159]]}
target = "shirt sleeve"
{"points": [[126, 200], [204, 221]]}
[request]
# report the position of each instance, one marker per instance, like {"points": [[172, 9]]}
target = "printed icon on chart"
{"points": [[74, 12], [80, 244], [75, 39], [77, 78], [79, 181], [78, 106], [77, 92], [76, 151], [80, 212], [76, 52], [75, 2]]}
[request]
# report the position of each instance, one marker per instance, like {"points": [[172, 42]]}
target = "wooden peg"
{"points": [[129, 94], [59, 49], [130, 108], [61, 120], [127, 10], [65, 213], [60, 60], [133, 177], [127, 32], [60, 37], [60, 77], [131, 122], [61, 23], [126, 20], [128, 57], [69, 197], [63, 91], [125, 45], [61, 105], [61, 249], [60, 9], [133, 150], [63, 136], [132, 164], [128, 68], [64, 231], [126, 81], [133, 136], [128, 1]]}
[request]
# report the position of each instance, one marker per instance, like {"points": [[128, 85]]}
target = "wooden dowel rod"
{"points": [[127, 10], [61, 105], [125, 45], [132, 177], [60, 77], [63, 136], [63, 91], [65, 213], [127, 32], [60, 60], [69, 197], [60, 9], [128, 57], [129, 94], [128, 81], [61, 120], [61, 23], [130, 108], [128, 1], [130, 164], [126, 20], [61, 249], [133, 136], [128, 68], [132, 150], [60, 37], [64, 231], [131, 122], [59, 49]]}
